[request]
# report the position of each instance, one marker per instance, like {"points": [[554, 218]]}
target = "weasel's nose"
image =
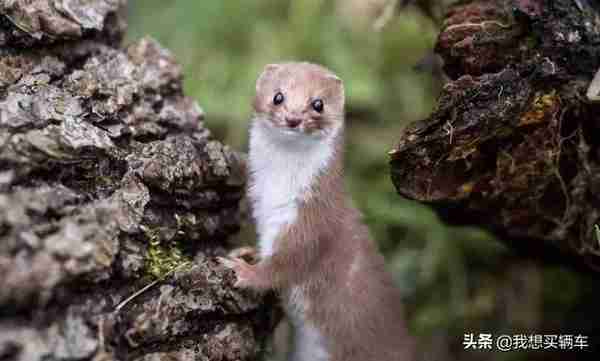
{"points": [[293, 122]]}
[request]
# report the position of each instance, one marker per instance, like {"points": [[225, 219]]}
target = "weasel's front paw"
{"points": [[248, 253], [245, 273]]}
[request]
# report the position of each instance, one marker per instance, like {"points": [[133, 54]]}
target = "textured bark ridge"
{"points": [[31, 22], [513, 142], [108, 181]]}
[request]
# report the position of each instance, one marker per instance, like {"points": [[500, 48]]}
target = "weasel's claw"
{"points": [[227, 262], [243, 270], [247, 253]]}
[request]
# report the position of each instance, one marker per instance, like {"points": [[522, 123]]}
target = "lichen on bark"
{"points": [[102, 159]]}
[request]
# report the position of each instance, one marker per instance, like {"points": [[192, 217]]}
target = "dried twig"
{"points": [[150, 285]]}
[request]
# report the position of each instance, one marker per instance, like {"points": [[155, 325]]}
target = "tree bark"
{"points": [[108, 182], [513, 143]]}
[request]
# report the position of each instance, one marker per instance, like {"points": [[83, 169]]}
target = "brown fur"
{"points": [[360, 313], [356, 307]]}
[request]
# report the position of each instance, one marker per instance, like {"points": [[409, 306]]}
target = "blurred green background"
{"points": [[456, 280]]}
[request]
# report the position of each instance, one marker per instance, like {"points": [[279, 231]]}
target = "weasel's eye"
{"points": [[317, 105], [278, 98]]}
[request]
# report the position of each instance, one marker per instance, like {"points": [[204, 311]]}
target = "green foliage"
{"points": [[162, 259]]}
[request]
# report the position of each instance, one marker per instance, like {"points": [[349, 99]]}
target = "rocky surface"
{"points": [[31, 22], [109, 181], [512, 142]]}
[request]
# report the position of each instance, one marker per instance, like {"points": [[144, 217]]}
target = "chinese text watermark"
{"points": [[490, 342]]}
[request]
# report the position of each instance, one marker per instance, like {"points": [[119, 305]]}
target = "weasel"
{"points": [[314, 248]]}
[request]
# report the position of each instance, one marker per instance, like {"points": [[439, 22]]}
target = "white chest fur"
{"points": [[283, 167], [309, 344]]}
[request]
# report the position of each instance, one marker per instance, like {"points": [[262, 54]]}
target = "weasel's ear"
{"points": [[335, 78], [339, 83], [270, 68], [266, 74], [334, 88]]}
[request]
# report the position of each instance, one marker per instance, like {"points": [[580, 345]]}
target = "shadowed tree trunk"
{"points": [[513, 144], [109, 181]]}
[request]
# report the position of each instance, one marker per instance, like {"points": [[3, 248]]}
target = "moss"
{"points": [[532, 41], [163, 258], [542, 109]]}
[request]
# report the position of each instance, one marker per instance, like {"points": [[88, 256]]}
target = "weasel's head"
{"points": [[299, 99]]}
